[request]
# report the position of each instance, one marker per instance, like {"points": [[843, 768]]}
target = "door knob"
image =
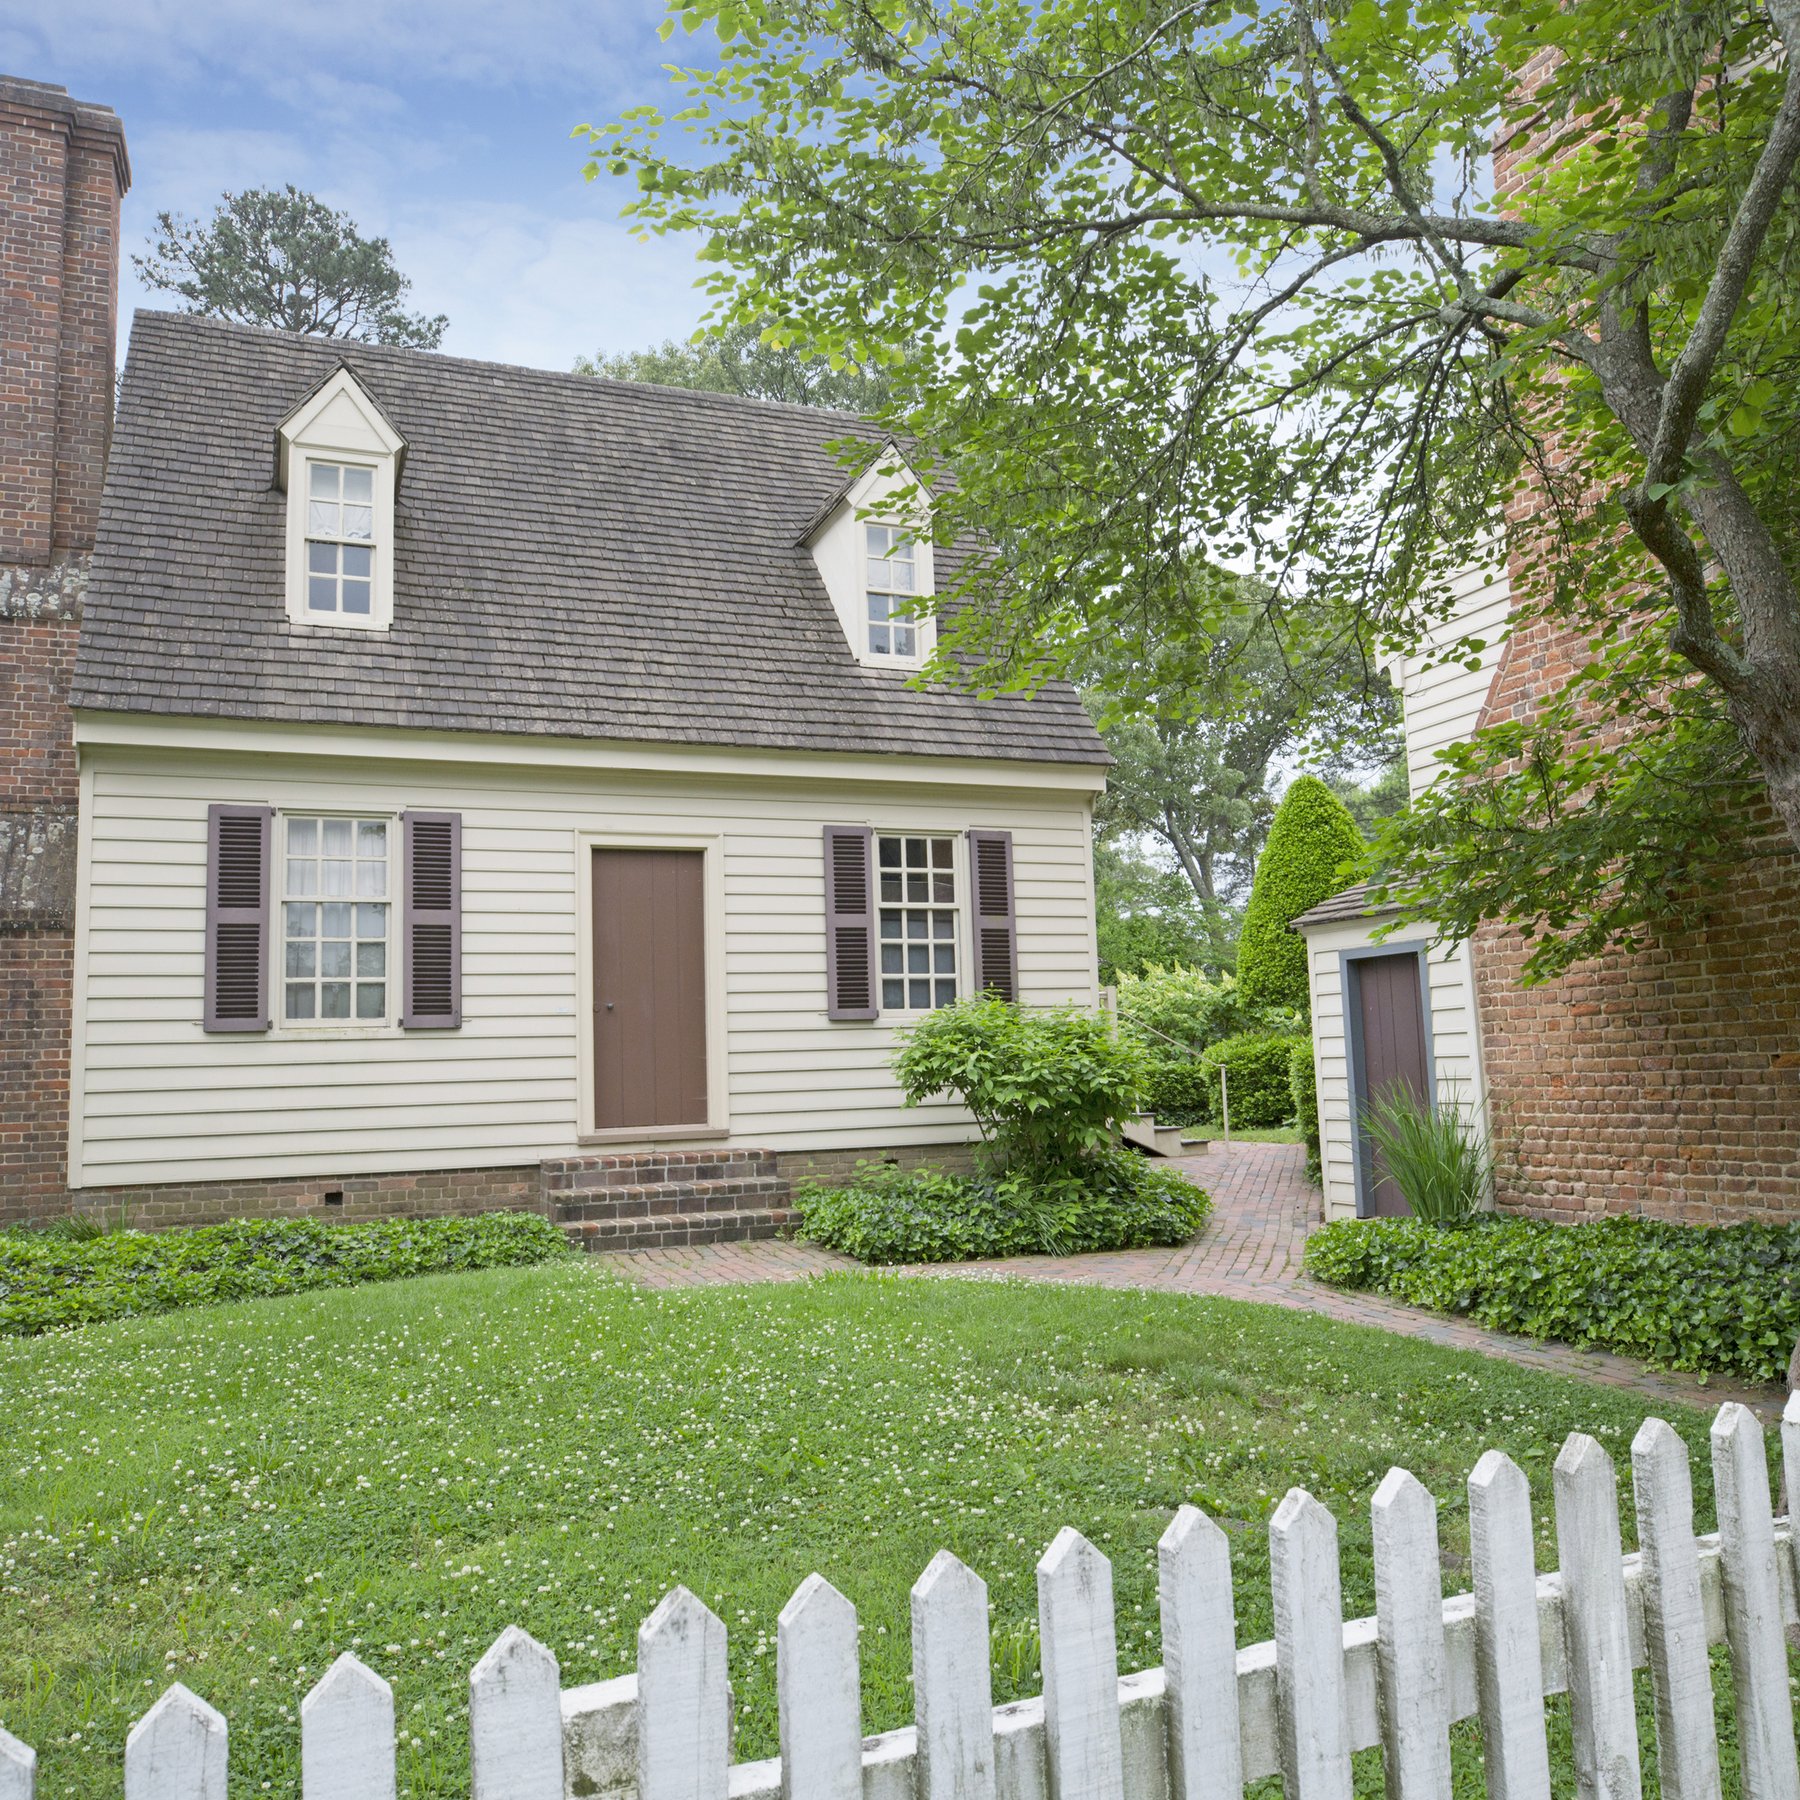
{"points": [[609, 1006]]}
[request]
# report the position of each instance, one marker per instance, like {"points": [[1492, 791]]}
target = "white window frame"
{"points": [[958, 906], [911, 620], [389, 1022], [339, 423]]}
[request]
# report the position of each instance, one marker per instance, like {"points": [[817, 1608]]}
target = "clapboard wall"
{"points": [[157, 1099]]}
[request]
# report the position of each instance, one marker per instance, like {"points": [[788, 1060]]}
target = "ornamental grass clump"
{"points": [[1435, 1153]]}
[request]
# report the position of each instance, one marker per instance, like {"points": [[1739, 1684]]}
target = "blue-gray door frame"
{"points": [[1360, 1149]]}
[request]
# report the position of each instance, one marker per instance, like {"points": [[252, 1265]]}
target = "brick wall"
{"points": [[1666, 1082], [63, 170], [358, 1197], [839, 1165]]}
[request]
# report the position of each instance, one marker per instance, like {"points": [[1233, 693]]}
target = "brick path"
{"points": [[1263, 1208]]}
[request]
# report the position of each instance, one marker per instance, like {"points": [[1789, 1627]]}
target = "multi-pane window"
{"points": [[890, 581], [340, 534], [335, 920], [918, 921]]}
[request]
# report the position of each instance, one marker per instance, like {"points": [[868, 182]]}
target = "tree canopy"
{"points": [[738, 359], [282, 258], [1199, 283]]}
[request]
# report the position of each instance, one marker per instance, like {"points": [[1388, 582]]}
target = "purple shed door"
{"points": [[1388, 1014]]}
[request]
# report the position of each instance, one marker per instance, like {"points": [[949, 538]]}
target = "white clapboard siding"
{"points": [[1211, 1720], [156, 1099]]}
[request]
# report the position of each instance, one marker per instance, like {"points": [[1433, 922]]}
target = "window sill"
{"points": [[646, 1134]]}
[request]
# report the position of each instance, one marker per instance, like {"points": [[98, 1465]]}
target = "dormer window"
{"points": [[891, 586], [871, 542], [339, 459], [340, 538]]}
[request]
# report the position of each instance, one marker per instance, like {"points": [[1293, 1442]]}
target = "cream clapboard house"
{"points": [[497, 784], [1402, 1007]]}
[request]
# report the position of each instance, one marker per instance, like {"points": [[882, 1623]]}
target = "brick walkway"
{"points": [[1263, 1208]]}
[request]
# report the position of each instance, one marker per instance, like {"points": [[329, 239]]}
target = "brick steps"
{"points": [[663, 1199], [679, 1231]]}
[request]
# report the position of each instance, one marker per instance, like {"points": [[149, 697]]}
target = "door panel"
{"points": [[649, 999], [1388, 1011]]}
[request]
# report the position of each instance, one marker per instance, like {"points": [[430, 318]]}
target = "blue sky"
{"points": [[442, 126]]}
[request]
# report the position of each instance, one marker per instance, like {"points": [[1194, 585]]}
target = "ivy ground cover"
{"points": [[228, 1496]]}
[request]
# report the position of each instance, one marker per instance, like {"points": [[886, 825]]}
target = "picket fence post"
{"points": [[1687, 1746], [1213, 1718], [1309, 1650], [18, 1768], [1509, 1658], [347, 1735], [1602, 1710], [1199, 1641], [1759, 1674]]}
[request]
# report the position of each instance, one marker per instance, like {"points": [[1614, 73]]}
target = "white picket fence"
{"points": [[1213, 1717]]}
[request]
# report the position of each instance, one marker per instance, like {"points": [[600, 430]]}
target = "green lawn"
{"points": [[1263, 1134], [232, 1495]]}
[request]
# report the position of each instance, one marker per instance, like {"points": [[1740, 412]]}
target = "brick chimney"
{"points": [[63, 172]]}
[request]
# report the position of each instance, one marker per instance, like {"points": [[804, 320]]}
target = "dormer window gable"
{"points": [[872, 545], [338, 458]]}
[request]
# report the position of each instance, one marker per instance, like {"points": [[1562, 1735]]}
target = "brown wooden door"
{"points": [[649, 996], [1388, 1013]]}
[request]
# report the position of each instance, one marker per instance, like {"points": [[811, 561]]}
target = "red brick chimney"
{"points": [[63, 171]]}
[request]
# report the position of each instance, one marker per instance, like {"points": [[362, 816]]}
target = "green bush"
{"points": [[1176, 1014], [1723, 1298], [1175, 1090], [1044, 1085], [1256, 1073], [1314, 850], [1303, 1086], [49, 1279], [1119, 1201]]}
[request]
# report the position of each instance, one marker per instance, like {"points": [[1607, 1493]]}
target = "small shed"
{"points": [[1390, 1009]]}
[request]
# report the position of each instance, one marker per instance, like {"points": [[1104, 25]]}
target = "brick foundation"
{"points": [[168, 1205], [840, 1165]]}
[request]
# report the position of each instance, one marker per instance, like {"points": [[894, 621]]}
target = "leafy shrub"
{"points": [[1721, 1298], [49, 1279], [1044, 1086], [1303, 1086], [1176, 1014], [1175, 1090], [1118, 1201], [1313, 851], [1435, 1154], [1256, 1074]]}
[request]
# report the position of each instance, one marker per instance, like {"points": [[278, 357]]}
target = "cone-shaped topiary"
{"points": [[1312, 839]]}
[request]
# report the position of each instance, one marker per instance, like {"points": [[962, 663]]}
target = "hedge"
{"points": [[1256, 1069], [1312, 853], [1305, 1091], [48, 1280], [1723, 1298], [890, 1215]]}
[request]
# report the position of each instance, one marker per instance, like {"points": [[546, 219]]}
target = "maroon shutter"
{"points": [[237, 918], [849, 923], [996, 923], [431, 915]]}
